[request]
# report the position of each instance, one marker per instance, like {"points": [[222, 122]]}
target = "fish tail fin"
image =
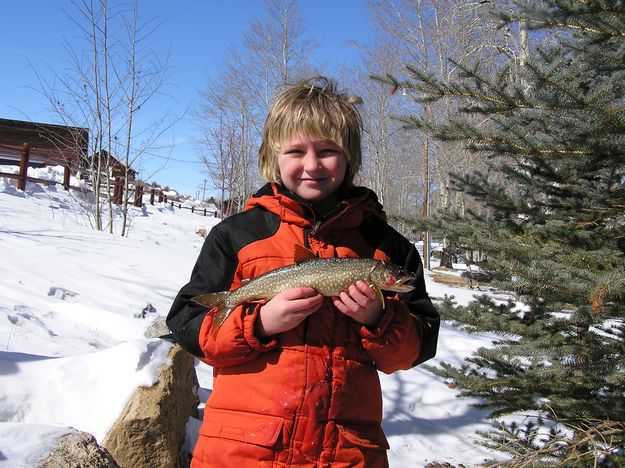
{"points": [[218, 301]]}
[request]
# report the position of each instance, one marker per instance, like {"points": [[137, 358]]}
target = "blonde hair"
{"points": [[315, 108]]}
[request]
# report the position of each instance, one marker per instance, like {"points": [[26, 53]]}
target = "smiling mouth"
{"points": [[312, 180]]}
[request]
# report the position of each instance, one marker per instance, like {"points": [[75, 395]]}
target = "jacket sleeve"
{"points": [[190, 323], [407, 334]]}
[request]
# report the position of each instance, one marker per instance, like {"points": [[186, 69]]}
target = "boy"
{"points": [[295, 378]]}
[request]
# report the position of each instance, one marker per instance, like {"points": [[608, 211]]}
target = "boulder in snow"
{"points": [[151, 428], [78, 449]]}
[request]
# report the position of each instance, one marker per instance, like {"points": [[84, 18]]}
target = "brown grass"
{"points": [[451, 280]]}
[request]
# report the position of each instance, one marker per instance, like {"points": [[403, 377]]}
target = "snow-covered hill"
{"points": [[75, 302]]}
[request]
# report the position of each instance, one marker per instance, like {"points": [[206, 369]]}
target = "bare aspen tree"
{"points": [[141, 77], [108, 84], [425, 34], [98, 127], [76, 97], [219, 158], [276, 51], [389, 162], [378, 127], [411, 31], [238, 98], [225, 119]]}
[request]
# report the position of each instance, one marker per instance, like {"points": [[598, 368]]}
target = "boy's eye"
{"points": [[321, 152]]}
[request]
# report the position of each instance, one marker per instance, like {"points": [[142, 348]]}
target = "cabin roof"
{"points": [[49, 143]]}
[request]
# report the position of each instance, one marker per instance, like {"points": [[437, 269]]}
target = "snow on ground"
{"points": [[75, 302]]}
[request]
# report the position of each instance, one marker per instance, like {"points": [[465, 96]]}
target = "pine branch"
{"points": [[568, 442], [548, 219]]}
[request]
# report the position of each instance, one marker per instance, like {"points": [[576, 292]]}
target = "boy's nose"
{"points": [[311, 161]]}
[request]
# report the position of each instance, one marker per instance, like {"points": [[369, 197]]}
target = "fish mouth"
{"points": [[401, 286]]}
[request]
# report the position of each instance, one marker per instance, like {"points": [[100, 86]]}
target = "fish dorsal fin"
{"points": [[301, 254]]}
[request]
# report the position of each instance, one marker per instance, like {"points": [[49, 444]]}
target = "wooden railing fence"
{"points": [[118, 187]]}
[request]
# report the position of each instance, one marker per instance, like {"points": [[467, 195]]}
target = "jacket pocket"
{"points": [[363, 435], [250, 428]]}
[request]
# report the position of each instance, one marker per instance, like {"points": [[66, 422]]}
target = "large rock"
{"points": [[151, 428], [158, 329], [78, 449]]}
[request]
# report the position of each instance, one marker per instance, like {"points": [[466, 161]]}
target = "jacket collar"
{"points": [[356, 204]]}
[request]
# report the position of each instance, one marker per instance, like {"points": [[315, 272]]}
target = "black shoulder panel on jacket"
{"points": [[378, 234], [215, 269]]}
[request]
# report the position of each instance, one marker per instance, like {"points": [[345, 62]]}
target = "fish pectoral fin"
{"points": [[378, 291]]}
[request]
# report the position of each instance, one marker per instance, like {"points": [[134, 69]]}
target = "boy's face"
{"points": [[311, 168]]}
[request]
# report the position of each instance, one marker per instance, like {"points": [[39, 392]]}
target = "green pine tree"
{"points": [[554, 133]]}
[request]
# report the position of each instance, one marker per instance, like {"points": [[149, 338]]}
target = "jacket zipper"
{"points": [[315, 228], [337, 211]]}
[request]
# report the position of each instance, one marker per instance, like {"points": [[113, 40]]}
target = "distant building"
{"points": [[49, 144], [116, 167]]}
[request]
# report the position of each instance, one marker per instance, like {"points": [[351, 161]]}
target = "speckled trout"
{"points": [[329, 276]]}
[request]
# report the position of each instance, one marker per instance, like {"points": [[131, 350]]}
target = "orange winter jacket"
{"points": [[309, 397]]}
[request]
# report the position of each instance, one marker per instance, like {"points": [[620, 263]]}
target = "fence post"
{"points": [[138, 195], [204, 211], [66, 177], [115, 188], [152, 196], [118, 192], [192, 208], [24, 155]]}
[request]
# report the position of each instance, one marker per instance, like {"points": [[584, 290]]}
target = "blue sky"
{"points": [[198, 35]]}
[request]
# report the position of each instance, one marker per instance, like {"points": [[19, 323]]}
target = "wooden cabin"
{"points": [[116, 167], [48, 145]]}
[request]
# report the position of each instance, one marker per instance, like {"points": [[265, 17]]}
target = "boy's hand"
{"points": [[287, 310], [361, 303]]}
